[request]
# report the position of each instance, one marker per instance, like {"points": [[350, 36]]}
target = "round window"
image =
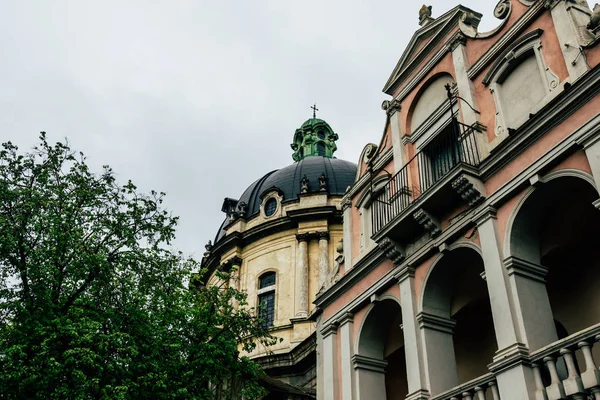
{"points": [[270, 206]]}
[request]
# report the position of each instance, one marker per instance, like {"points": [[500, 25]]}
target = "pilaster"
{"points": [[323, 238], [413, 349], [392, 109], [330, 358], [346, 353], [347, 238], [438, 351]]}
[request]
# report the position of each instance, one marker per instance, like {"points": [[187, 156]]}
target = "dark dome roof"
{"points": [[339, 173]]}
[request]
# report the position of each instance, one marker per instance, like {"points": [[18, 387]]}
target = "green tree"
{"points": [[94, 304]]}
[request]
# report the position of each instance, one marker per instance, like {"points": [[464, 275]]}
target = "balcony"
{"points": [[437, 178]]}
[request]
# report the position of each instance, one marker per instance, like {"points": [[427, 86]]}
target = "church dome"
{"points": [[313, 146], [339, 174]]}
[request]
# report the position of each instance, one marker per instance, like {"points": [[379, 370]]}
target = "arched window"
{"points": [[266, 298]]}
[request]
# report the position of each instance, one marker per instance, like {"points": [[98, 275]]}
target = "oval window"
{"points": [[270, 206]]}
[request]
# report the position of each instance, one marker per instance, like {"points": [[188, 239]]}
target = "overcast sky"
{"points": [[200, 98]]}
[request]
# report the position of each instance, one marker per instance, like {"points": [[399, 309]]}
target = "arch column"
{"points": [[347, 239], [323, 257], [392, 109], [370, 377], [346, 353], [302, 276], [330, 361], [413, 349], [438, 351], [520, 310]]}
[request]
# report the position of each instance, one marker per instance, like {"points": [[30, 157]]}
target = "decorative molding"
{"points": [[368, 363], [392, 250], [502, 9], [596, 204], [520, 267], [505, 40], [345, 204], [346, 318], [504, 359], [457, 40], [303, 237], [435, 322], [234, 261], [427, 221], [330, 329], [405, 272], [509, 54], [322, 235], [467, 190]]}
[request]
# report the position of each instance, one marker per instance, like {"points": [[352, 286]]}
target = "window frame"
{"points": [[264, 292], [527, 46]]}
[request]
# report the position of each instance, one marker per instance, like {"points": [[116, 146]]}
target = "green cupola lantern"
{"points": [[314, 138]]}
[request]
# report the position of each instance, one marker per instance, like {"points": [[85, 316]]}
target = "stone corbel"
{"points": [[392, 250], [229, 264], [428, 222], [469, 189]]}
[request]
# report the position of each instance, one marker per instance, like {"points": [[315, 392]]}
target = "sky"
{"points": [[200, 98]]}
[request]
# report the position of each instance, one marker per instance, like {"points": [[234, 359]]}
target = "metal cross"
{"points": [[315, 109]]}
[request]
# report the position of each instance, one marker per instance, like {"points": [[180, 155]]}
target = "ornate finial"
{"points": [[425, 15], [315, 109]]}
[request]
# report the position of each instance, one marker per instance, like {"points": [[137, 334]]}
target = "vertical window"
{"points": [[266, 298], [321, 149]]}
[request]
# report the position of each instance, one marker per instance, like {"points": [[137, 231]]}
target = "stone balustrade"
{"points": [[566, 368], [481, 388]]}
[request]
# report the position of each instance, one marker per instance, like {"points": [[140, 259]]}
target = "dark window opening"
{"points": [[270, 206], [321, 149], [444, 153], [266, 303], [266, 280], [321, 135]]}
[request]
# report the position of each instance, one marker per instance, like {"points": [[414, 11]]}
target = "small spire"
{"points": [[315, 109]]}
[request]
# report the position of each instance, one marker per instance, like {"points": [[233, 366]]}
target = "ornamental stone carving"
{"points": [[392, 250], [429, 223], [425, 15], [594, 23], [323, 183], [466, 190], [502, 9], [390, 106], [304, 184]]}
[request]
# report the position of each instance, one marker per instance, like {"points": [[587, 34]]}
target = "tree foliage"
{"points": [[94, 304]]}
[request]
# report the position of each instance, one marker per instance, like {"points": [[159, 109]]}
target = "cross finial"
{"points": [[315, 109]]}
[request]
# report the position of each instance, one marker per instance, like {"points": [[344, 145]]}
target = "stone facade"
{"points": [[474, 274], [288, 223]]}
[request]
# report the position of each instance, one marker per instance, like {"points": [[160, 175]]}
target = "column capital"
{"points": [[346, 203], [520, 267], [459, 40], [368, 363], [346, 318], [391, 106], [322, 235], [435, 322], [303, 237], [484, 215], [330, 329], [404, 272], [234, 261]]}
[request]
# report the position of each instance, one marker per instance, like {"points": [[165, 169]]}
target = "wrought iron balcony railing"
{"points": [[456, 145]]}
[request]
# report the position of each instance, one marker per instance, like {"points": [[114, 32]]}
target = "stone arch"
{"points": [[455, 317], [519, 237], [379, 360], [550, 253]]}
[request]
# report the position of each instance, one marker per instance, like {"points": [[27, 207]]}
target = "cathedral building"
{"points": [[281, 238], [469, 266]]}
